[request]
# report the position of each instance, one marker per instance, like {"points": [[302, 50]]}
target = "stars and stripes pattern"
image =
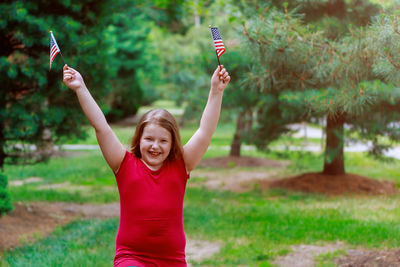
{"points": [[218, 44], [54, 49]]}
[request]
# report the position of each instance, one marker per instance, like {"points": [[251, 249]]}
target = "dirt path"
{"points": [[303, 255]]}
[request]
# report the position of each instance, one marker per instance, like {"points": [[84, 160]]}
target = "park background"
{"points": [[303, 168]]}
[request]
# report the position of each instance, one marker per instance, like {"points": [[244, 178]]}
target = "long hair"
{"points": [[164, 119]]}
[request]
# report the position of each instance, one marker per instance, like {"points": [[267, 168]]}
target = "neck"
{"points": [[156, 168]]}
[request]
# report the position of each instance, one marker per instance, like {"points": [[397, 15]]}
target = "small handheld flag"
{"points": [[54, 49], [218, 44]]}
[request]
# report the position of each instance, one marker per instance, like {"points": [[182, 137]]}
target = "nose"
{"points": [[155, 144]]}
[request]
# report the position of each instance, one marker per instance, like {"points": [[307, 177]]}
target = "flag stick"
{"points": [[62, 57], [219, 64]]}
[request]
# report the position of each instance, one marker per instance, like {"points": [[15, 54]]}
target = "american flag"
{"points": [[218, 44], [54, 49]]}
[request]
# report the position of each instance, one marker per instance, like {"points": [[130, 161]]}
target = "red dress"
{"points": [[151, 223]]}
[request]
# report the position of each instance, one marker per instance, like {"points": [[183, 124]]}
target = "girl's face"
{"points": [[155, 145]]}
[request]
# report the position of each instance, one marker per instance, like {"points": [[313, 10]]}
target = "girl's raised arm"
{"points": [[112, 149], [195, 148]]}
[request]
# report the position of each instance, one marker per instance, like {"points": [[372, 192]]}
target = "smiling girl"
{"points": [[151, 175]]}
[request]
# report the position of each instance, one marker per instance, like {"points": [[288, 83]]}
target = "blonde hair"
{"points": [[164, 119]]}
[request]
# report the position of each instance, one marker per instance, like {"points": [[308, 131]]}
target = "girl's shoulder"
{"points": [[129, 161], [180, 167], [129, 156]]}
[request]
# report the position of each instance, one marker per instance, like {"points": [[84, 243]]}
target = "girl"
{"points": [[152, 175]]}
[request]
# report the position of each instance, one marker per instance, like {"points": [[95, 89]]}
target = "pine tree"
{"points": [[300, 75], [33, 99]]}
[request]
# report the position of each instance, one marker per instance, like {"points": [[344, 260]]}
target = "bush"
{"points": [[5, 203], [126, 102]]}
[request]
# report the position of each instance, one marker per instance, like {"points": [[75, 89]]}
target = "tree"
{"points": [[283, 56], [331, 16], [301, 75], [33, 100], [133, 59]]}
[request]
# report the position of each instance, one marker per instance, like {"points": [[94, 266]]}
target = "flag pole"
{"points": [[62, 57], [219, 64]]}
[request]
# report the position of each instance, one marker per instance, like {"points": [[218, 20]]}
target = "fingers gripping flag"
{"points": [[218, 44], [54, 49]]}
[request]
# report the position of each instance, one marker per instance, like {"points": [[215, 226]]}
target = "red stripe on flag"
{"points": [[52, 58], [53, 49]]}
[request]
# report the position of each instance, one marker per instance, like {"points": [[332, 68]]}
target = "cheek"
{"points": [[142, 146], [167, 148]]}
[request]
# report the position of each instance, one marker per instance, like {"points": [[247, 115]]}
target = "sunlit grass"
{"points": [[252, 228], [255, 228], [82, 243]]}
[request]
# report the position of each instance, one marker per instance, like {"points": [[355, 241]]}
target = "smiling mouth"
{"points": [[154, 154]]}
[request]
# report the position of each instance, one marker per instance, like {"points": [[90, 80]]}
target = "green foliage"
{"points": [[33, 98], [188, 63], [380, 54], [330, 16], [283, 60], [5, 203], [133, 59], [300, 75]]}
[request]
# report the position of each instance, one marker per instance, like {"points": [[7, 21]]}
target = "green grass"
{"points": [[256, 228], [83, 178], [253, 228], [81, 243], [87, 168], [327, 259]]}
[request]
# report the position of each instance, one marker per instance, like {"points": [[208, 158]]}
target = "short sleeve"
{"points": [[185, 174], [123, 165]]}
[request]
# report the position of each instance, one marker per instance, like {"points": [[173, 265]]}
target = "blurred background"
{"points": [[306, 152]]}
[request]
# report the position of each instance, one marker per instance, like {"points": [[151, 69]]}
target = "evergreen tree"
{"points": [[35, 107], [300, 75], [133, 59]]}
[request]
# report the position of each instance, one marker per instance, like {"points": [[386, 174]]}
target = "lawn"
{"points": [[253, 228]]}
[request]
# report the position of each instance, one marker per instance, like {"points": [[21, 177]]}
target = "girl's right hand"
{"points": [[72, 78]]}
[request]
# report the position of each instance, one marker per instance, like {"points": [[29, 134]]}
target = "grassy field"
{"points": [[253, 228]]}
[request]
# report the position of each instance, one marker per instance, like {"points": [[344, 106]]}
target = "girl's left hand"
{"points": [[220, 79]]}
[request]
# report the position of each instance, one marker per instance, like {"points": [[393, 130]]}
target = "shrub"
{"points": [[5, 203]]}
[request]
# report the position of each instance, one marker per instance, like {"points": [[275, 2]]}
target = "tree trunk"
{"points": [[45, 146], [249, 121], [334, 157], [237, 138], [196, 14]]}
